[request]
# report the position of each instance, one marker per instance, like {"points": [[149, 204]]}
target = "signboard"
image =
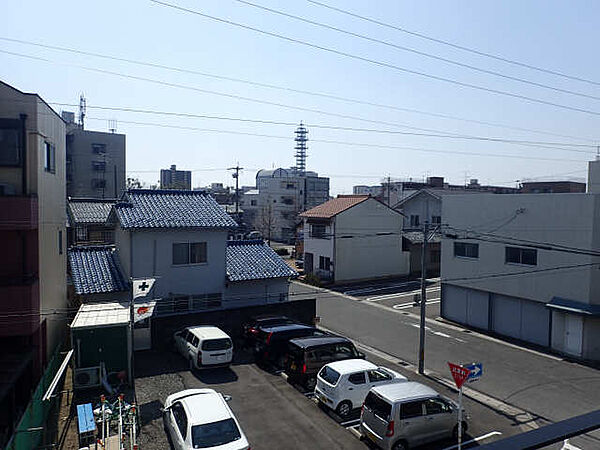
{"points": [[459, 373], [475, 371]]}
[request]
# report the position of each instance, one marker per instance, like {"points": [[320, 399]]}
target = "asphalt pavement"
{"points": [[547, 387]]}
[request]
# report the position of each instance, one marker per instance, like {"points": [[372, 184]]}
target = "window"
{"points": [[376, 376], [253, 203], [180, 418], [99, 149], [411, 409], [436, 219], [195, 341], [517, 255], [324, 263], [466, 250], [49, 157], [414, 220], [357, 378], [378, 406], [189, 253], [290, 186], [60, 242], [345, 349], [215, 434], [99, 166], [329, 375], [82, 234], [217, 344], [318, 230], [98, 183], [287, 200], [10, 154], [436, 406]]}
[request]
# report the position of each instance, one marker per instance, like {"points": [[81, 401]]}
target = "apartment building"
{"points": [[33, 239], [175, 179]]}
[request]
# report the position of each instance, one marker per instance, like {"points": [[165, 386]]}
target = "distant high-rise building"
{"points": [[175, 179], [95, 162]]}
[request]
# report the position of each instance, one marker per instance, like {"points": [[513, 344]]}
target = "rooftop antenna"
{"points": [[112, 125], [301, 147], [82, 110]]}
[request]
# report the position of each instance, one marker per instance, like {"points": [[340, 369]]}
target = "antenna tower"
{"points": [[112, 125], [82, 110], [301, 147]]}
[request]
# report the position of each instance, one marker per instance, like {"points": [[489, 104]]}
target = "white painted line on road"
{"points": [[568, 446], [412, 305], [377, 298], [378, 287], [444, 335], [477, 439]]}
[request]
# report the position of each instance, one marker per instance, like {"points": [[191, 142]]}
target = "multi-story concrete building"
{"points": [[280, 195], [175, 179], [95, 162], [526, 266], [33, 240], [551, 187]]}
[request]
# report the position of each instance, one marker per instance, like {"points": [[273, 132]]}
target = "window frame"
{"points": [[318, 234], [16, 126], [415, 220], [403, 416], [521, 252], [465, 246], [355, 374], [49, 157], [189, 261], [180, 420], [324, 263]]}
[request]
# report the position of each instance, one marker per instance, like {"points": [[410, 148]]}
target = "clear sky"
{"points": [[556, 35]]}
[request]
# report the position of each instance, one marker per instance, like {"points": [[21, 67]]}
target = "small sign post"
{"points": [[460, 375]]}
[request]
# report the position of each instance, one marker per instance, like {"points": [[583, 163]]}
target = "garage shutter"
{"points": [[466, 306], [520, 319]]}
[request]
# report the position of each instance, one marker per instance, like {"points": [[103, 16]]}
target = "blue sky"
{"points": [[560, 36]]}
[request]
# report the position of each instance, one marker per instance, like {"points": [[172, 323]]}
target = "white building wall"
{"points": [[369, 256], [566, 219], [423, 205], [319, 246]]}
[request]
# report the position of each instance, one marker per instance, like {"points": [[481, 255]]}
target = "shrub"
{"points": [[312, 279], [282, 251]]}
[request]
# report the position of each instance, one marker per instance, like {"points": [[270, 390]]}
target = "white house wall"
{"points": [[423, 205], [365, 255], [319, 247], [565, 219]]}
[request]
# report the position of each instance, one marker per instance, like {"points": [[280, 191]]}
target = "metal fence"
{"points": [[31, 429]]}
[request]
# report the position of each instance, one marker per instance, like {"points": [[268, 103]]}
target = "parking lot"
{"points": [[275, 414]]}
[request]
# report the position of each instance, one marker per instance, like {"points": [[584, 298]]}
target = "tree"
{"points": [[266, 221], [134, 183]]}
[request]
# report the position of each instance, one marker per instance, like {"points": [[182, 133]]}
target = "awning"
{"points": [[575, 307]]}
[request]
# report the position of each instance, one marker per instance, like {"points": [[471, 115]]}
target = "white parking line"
{"points": [[477, 439], [379, 288], [401, 294], [412, 305]]}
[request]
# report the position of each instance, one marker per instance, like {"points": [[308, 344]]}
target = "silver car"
{"points": [[402, 415]]}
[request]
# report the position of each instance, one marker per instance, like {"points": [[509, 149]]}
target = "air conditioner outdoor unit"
{"points": [[87, 377]]}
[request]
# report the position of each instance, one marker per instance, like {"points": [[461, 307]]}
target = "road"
{"points": [[547, 387]]}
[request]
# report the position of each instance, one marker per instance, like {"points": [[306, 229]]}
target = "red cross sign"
{"points": [[459, 373]]}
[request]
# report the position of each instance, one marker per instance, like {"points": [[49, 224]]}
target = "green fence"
{"points": [[32, 426]]}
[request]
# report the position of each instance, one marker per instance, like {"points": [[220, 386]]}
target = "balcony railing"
{"points": [[18, 212]]}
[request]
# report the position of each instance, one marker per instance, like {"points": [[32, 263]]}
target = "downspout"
{"points": [[23, 118], [334, 254]]}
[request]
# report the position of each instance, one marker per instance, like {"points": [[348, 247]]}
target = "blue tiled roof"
{"points": [[141, 208], [255, 260], [96, 269], [89, 211]]}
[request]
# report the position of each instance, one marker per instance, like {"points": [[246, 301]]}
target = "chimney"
{"points": [[594, 177]]}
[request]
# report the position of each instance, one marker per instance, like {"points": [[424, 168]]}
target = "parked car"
{"points": [[271, 342], [305, 357], [402, 415], [343, 385], [204, 346], [201, 418], [253, 326]]}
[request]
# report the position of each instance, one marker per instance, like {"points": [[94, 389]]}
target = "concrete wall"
{"points": [[256, 292], [366, 255], [152, 255], [81, 171], [566, 219], [423, 205]]}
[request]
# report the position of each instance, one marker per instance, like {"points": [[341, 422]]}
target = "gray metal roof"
{"points": [[89, 211], [141, 208], [255, 260], [574, 306], [96, 269]]}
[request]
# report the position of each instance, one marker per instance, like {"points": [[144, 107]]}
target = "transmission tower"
{"points": [[82, 110], [301, 147]]}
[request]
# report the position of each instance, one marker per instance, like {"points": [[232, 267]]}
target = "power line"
{"points": [[376, 62], [418, 52], [348, 143], [457, 46], [277, 87]]}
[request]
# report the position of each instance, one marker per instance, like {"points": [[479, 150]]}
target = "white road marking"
{"points": [[439, 333], [477, 439], [412, 305], [377, 298], [379, 287], [568, 446]]}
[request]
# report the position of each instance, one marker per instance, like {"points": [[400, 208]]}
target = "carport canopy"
{"points": [[575, 307]]}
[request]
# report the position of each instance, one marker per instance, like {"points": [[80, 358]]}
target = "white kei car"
{"points": [[201, 418], [343, 385]]}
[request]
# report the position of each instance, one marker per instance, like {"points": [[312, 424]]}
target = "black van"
{"points": [[271, 342], [306, 356]]}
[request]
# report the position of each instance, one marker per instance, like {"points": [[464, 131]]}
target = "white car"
{"points": [[204, 346], [343, 385], [201, 418]]}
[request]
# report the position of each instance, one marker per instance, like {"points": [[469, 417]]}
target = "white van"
{"points": [[406, 415], [204, 346], [343, 385]]}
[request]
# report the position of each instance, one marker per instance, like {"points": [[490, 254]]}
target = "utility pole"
{"points": [[236, 175], [388, 190], [423, 298]]}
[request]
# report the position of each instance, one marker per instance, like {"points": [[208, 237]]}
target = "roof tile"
{"points": [[334, 206], [89, 211], [255, 260], [96, 269]]}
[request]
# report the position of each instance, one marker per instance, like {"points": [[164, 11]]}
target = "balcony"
{"points": [[21, 301], [18, 213]]}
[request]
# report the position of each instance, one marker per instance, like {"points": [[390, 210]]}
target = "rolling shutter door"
{"points": [[466, 306], [521, 319], [454, 303], [478, 309]]}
